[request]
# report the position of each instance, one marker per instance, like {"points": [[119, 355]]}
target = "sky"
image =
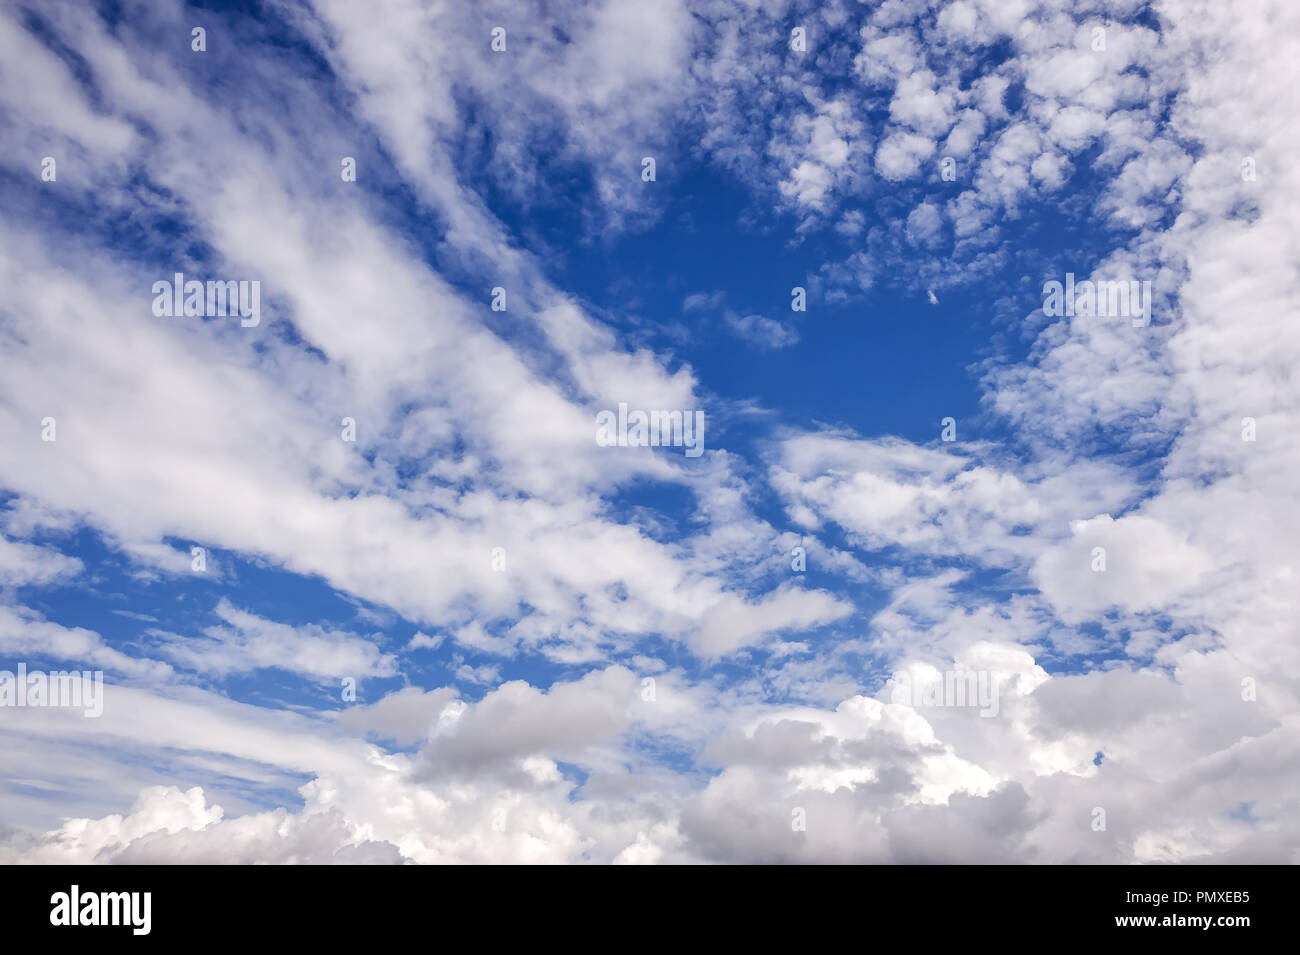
{"points": [[368, 578]]}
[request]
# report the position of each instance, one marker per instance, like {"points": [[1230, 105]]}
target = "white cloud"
{"points": [[762, 332], [900, 155], [248, 642], [1141, 565], [24, 564]]}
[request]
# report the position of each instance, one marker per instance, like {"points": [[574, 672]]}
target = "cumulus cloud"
{"points": [[1135, 562]]}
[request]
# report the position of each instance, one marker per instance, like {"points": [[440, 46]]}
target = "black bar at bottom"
{"points": [[334, 905]]}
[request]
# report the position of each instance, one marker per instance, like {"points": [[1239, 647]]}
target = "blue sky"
{"points": [[566, 652]]}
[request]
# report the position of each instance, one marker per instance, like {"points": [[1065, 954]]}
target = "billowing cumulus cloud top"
{"points": [[955, 577]]}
